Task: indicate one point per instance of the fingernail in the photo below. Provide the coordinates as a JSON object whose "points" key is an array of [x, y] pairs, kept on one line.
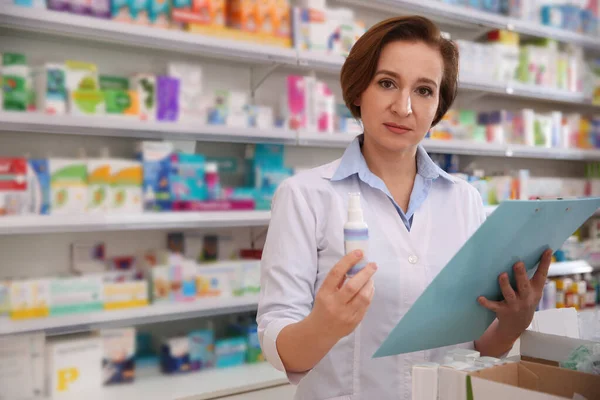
{"points": [[358, 253], [374, 267]]}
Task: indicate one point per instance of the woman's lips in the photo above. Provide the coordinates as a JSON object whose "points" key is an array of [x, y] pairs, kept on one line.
{"points": [[397, 129]]}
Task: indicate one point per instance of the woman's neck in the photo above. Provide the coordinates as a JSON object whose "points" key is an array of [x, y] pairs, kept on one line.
{"points": [[394, 168]]}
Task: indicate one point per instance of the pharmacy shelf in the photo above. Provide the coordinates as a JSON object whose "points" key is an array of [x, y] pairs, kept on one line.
{"points": [[99, 30], [127, 127], [525, 91], [337, 140], [569, 268], [469, 18], [320, 61], [509, 150], [35, 224], [463, 147], [215, 383], [41, 21], [71, 323], [121, 126], [203, 385]]}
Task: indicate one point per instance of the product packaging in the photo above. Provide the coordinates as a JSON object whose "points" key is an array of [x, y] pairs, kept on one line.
{"points": [[118, 363], [74, 365], [156, 165], [68, 186]]}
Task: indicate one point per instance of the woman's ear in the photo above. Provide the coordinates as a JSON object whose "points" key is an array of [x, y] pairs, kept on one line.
{"points": [[357, 101]]}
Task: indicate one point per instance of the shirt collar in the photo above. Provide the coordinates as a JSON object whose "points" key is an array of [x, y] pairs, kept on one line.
{"points": [[353, 162]]}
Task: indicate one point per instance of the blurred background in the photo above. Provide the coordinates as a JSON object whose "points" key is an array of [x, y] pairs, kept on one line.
{"points": [[141, 142]]}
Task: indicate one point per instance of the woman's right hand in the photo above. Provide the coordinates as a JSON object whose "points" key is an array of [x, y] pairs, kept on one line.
{"points": [[341, 303]]}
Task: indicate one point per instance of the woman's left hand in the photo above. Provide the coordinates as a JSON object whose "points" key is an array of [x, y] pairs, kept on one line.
{"points": [[515, 312]]}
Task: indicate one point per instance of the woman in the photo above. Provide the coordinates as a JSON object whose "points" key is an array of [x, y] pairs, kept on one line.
{"points": [[399, 79]]}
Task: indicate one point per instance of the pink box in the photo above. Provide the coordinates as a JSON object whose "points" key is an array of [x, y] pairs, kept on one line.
{"points": [[216, 205], [296, 101]]}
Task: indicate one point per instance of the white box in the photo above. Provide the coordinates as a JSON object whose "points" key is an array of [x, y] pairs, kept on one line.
{"points": [[536, 376], [22, 366], [30, 298], [68, 186], [145, 85], [192, 107], [50, 97], [74, 365]]}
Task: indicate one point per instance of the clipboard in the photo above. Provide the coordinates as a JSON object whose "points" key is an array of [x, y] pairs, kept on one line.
{"points": [[447, 312]]}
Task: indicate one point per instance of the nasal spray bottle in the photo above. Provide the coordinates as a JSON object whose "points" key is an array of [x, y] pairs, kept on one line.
{"points": [[356, 233]]}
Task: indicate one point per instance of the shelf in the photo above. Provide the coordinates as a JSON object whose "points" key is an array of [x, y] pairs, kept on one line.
{"points": [[48, 22], [469, 18], [336, 140], [99, 30], [120, 126], [462, 147], [320, 61], [509, 150], [150, 384], [569, 268], [126, 127], [124, 222], [525, 91], [71, 323]]}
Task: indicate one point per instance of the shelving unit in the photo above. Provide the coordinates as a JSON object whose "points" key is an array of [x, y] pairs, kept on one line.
{"points": [[469, 18], [36, 224], [127, 127], [118, 126], [103, 31], [71, 323], [202, 385], [569, 268], [117, 33]]}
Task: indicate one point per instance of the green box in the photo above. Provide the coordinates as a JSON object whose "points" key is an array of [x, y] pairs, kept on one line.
{"points": [[109, 82]]}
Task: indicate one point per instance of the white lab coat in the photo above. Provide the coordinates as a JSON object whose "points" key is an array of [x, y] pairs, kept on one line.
{"points": [[305, 240]]}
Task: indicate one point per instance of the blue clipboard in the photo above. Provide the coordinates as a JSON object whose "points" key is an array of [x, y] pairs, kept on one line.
{"points": [[447, 312]]}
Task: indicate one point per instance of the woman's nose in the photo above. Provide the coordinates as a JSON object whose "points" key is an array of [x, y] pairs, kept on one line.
{"points": [[402, 104]]}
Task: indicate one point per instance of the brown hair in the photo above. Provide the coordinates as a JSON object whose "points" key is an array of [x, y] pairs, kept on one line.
{"points": [[361, 64]]}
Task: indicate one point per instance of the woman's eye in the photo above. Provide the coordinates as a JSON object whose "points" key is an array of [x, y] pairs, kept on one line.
{"points": [[425, 91], [386, 84]]}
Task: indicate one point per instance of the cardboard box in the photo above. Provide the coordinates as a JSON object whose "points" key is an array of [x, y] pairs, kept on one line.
{"points": [[536, 376], [528, 380]]}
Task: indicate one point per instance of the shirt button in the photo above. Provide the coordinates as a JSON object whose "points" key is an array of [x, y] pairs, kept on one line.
{"points": [[413, 259]]}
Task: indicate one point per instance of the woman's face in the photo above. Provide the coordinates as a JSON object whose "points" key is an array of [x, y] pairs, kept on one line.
{"points": [[407, 78]]}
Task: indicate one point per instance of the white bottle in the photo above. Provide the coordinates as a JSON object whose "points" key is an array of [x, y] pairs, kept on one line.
{"points": [[356, 232]]}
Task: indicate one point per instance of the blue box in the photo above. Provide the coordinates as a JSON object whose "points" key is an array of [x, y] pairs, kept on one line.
{"points": [[39, 187], [187, 177], [202, 349], [268, 180], [156, 161], [230, 352]]}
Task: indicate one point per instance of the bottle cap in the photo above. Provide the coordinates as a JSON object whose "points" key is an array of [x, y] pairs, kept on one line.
{"points": [[211, 167], [355, 213]]}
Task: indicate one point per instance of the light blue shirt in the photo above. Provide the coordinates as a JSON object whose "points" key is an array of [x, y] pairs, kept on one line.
{"points": [[353, 162]]}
